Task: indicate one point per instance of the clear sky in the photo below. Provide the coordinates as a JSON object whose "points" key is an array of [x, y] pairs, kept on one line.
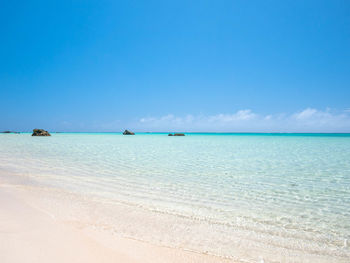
{"points": [[175, 65]]}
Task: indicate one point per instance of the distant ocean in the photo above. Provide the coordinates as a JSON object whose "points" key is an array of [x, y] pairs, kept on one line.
{"points": [[272, 197]]}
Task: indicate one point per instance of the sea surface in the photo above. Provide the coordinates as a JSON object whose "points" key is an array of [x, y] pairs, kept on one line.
{"points": [[250, 197]]}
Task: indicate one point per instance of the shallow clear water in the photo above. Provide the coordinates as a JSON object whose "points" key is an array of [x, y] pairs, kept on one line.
{"points": [[281, 197]]}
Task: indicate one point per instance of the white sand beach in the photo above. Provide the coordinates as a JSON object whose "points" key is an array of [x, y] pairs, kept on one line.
{"points": [[28, 233]]}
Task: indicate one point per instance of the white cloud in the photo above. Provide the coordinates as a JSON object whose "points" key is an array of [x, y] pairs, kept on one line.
{"points": [[268, 117], [239, 115], [307, 120], [305, 114]]}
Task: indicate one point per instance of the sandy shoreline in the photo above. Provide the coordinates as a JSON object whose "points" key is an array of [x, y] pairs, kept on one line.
{"points": [[28, 233]]}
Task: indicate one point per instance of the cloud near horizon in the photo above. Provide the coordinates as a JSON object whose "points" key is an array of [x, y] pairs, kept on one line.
{"points": [[307, 120]]}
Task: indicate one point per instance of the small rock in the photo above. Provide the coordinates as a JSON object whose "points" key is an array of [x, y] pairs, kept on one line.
{"points": [[40, 132], [179, 134], [170, 134], [126, 132], [10, 132]]}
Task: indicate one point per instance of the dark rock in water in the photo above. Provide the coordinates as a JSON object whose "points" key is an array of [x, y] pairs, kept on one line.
{"points": [[176, 134], [40, 132], [126, 132], [10, 132]]}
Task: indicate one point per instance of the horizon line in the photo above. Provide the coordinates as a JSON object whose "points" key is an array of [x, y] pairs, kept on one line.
{"points": [[207, 132]]}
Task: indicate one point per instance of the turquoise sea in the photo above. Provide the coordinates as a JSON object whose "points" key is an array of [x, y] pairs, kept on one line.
{"points": [[250, 197]]}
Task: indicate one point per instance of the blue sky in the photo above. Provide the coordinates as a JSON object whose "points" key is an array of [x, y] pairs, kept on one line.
{"points": [[175, 65]]}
